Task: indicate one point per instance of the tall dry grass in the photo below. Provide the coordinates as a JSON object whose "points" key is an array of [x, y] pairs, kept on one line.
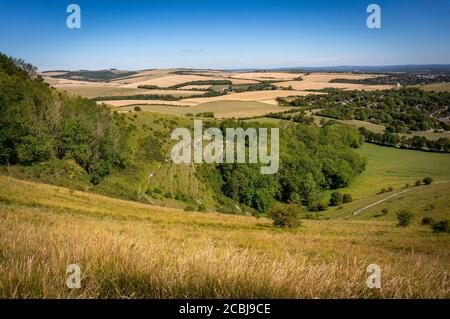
{"points": [[130, 250]]}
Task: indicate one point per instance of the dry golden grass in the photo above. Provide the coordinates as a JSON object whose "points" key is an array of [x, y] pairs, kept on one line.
{"points": [[131, 250], [92, 91], [142, 76], [327, 77], [66, 82], [261, 76]]}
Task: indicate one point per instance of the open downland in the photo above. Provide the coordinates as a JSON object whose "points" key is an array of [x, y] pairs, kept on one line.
{"points": [[422, 201], [168, 253], [221, 109], [391, 167]]}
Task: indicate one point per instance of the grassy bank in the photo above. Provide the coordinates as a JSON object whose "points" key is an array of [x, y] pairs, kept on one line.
{"points": [[127, 249]]}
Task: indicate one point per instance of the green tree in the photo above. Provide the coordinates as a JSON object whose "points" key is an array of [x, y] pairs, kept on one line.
{"points": [[285, 215], [404, 218]]}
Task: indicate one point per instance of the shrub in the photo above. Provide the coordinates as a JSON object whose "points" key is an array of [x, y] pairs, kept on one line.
{"points": [[310, 216], [318, 207], [441, 226], [137, 108], [285, 215], [384, 212], [418, 183], [347, 198], [390, 189], [189, 208], [336, 199], [404, 218], [202, 208], [427, 180], [427, 221]]}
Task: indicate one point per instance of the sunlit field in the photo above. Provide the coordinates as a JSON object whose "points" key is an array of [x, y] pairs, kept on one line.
{"points": [[132, 250]]}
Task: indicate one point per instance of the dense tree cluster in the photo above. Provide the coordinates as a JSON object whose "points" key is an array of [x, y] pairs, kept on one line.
{"points": [[312, 159], [201, 82], [402, 110], [39, 124], [402, 78], [262, 86], [416, 142]]}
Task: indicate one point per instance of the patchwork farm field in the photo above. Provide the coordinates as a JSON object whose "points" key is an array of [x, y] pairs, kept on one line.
{"points": [[170, 82]]}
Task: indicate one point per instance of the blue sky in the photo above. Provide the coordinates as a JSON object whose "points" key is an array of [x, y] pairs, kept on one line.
{"points": [[138, 34]]}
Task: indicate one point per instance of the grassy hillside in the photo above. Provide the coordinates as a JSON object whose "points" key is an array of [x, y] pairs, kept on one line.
{"points": [[168, 253], [429, 201]]}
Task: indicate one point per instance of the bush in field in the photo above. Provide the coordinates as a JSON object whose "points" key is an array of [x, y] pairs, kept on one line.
{"points": [[347, 198], [384, 212], [285, 215], [442, 226], [427, 180], [137, 108], [189, 208], [336, 199], [318, 207], [418, 183], [427, 221], [404, 218]]}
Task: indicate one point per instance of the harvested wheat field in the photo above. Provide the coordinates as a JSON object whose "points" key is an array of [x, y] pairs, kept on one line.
{"points": [[221, 109], [311, 85], [168, 253], [175, 79], [120, 103], [264, 76], [249, 96], [327, 77]]}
